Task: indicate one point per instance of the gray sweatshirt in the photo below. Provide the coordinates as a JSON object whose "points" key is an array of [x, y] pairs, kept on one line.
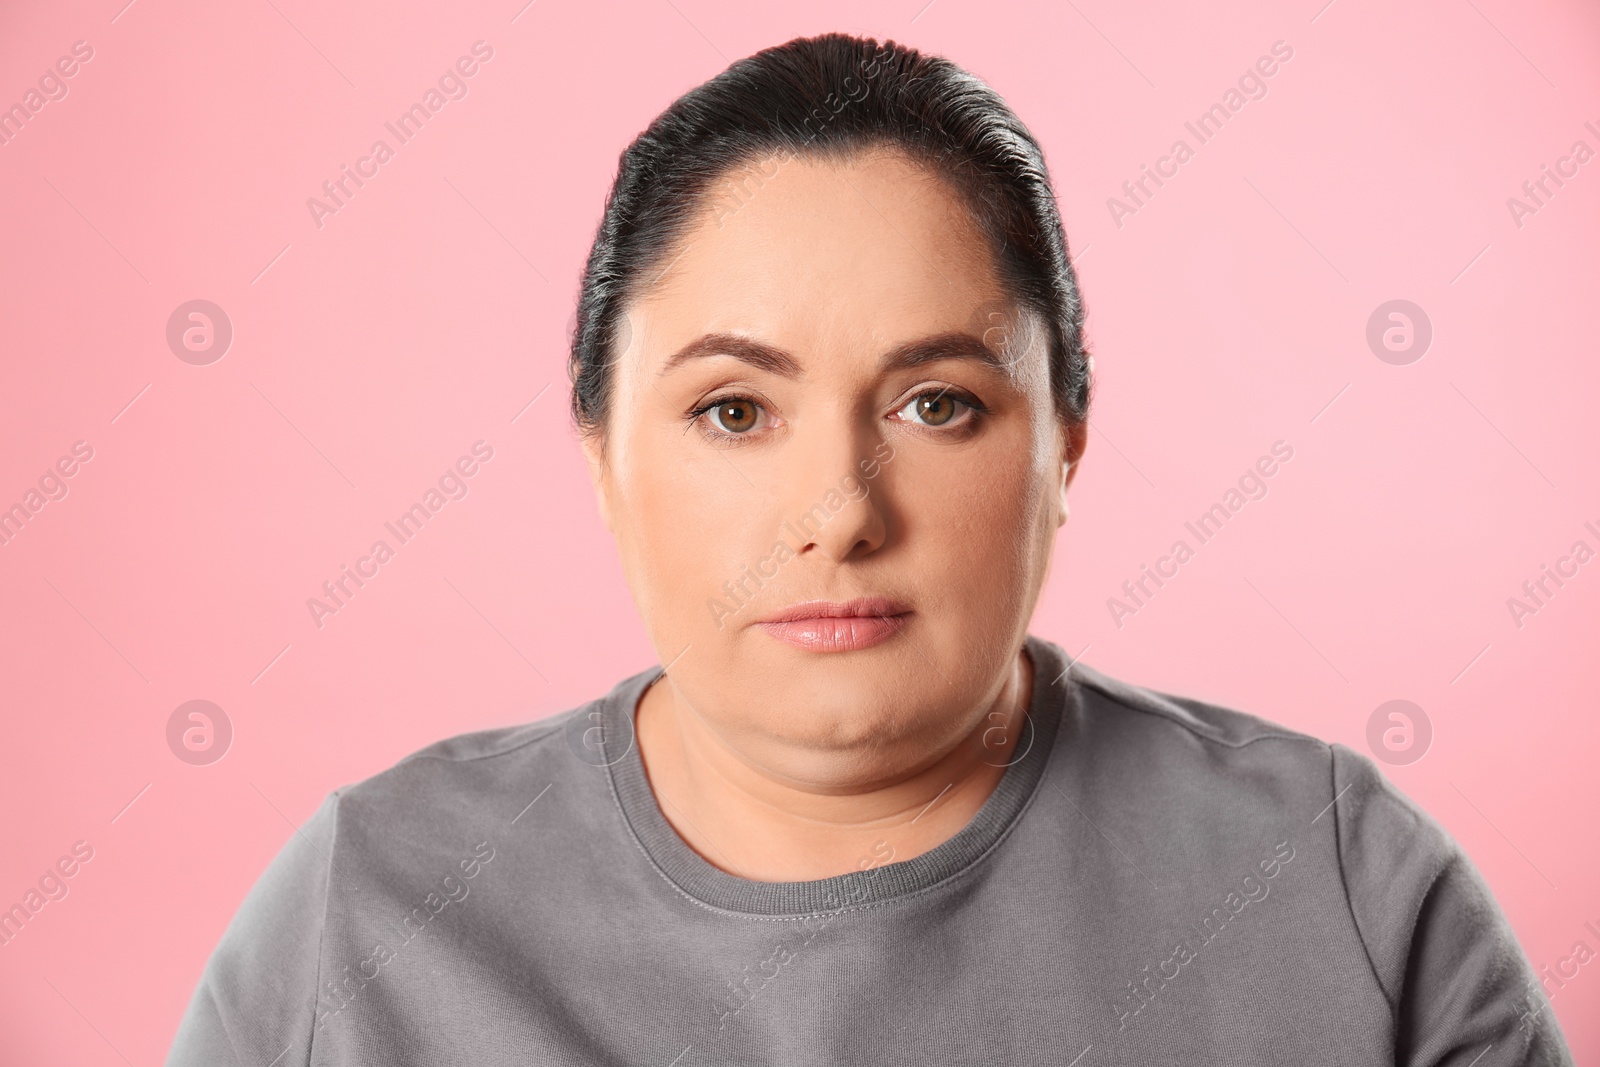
{"points": [[1154, 880]]}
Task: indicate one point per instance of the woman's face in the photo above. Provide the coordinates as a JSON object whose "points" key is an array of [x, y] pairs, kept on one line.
{"points": [[828, 326]]}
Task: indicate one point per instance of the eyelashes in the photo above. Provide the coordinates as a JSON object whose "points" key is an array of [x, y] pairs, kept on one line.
{"points": [[931, 404], [734, 401]]}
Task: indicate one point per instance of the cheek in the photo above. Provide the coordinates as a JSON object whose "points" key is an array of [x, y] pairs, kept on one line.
{"points": [[983, 539], [688, 527]]}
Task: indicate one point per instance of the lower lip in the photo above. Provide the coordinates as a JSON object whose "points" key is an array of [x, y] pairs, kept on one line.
{"points": [[837, 634]]}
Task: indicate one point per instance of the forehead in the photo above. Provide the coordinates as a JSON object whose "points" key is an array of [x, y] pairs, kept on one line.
{"points": [[808, 252]]}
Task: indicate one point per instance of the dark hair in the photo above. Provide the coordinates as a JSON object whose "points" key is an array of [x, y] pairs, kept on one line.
{"points": [[829, 97]]}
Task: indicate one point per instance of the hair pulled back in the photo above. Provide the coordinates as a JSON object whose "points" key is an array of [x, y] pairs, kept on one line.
{"points": [[829, 97]]}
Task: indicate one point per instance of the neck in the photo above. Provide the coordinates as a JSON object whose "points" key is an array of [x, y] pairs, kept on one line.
{"points": [[758, 825]]}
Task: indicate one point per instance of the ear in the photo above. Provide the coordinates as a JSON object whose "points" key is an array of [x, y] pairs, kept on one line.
{"points": [[1074, 441], [594, 455]]}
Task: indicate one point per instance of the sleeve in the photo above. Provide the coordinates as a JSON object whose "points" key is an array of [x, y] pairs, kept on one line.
{"points": [[256, 1001], [1442, 951]]}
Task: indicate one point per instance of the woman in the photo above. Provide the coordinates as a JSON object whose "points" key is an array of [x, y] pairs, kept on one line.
{"points": [[830, 381]]}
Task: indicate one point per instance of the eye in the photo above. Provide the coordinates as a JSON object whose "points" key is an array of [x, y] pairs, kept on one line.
{"points": [[728, 416], [939, 407]]}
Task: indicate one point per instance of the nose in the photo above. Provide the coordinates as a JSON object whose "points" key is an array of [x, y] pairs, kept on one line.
{"points": [[835, 505]]}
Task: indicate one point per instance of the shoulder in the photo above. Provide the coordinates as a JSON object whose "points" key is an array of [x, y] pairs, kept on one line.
{"points": [[470, 785], [1198, 785], [381, 842], [1222, 750], [1378, 826], [1194, 775], [471, 765], [1215, 725], [1198, 749], [1202, 771]]}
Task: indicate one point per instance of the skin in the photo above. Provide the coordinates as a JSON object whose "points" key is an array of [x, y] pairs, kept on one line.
{"points": [[772, 762]]}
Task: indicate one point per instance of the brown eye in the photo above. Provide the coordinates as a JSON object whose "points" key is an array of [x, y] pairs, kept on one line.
{"points": [[934, 409], [734, 416], [940, 408]]}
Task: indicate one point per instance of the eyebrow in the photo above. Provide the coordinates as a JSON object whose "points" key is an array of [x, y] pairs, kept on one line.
{"points": [[774, 360]]}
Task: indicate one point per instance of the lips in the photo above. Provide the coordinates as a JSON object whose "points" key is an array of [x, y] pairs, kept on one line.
{"points": [[831, 626]]}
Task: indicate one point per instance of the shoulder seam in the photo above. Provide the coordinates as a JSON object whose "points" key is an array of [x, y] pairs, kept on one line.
{"points": [[549, 722], [322, 924], [1344, 887], [1205, 735]]}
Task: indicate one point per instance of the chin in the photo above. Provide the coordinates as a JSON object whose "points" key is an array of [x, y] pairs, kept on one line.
{"points": [[824, 702]]}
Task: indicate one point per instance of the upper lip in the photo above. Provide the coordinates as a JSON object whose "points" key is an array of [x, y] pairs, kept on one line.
{"points": [[860, 607]]}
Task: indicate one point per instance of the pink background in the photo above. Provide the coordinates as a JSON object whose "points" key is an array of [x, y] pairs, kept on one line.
{"points": [[368, 354]]}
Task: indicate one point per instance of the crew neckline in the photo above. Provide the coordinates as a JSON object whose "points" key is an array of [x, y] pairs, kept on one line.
{"points": [[689, 872]]}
